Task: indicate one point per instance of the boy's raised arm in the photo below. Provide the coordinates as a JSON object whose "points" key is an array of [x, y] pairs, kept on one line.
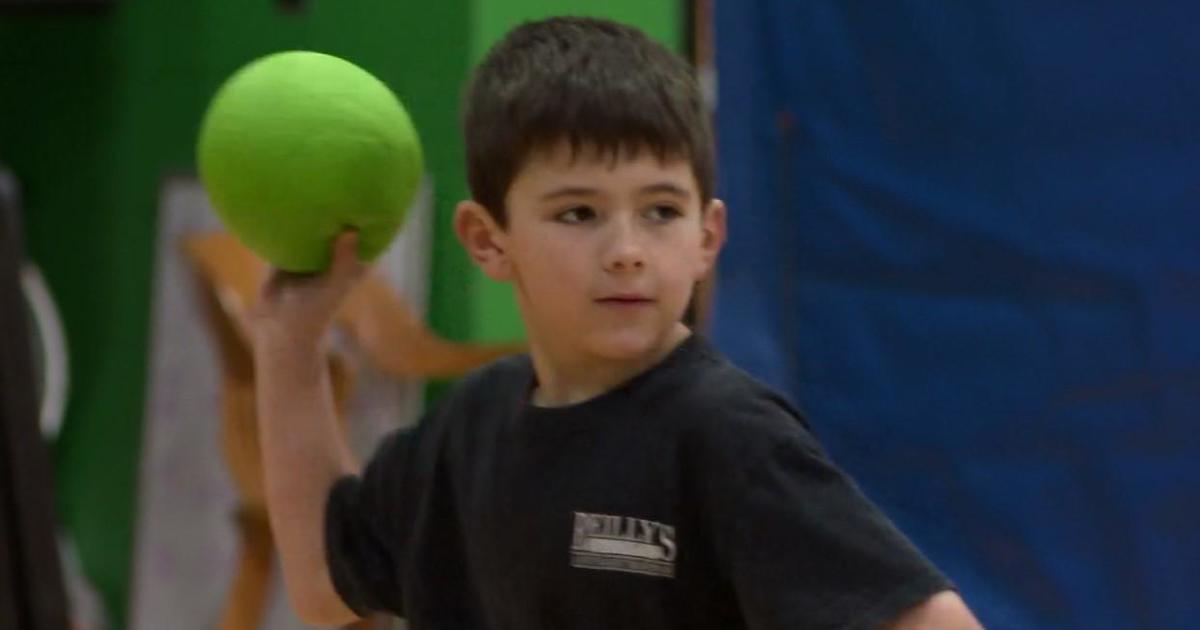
{"points": [[943, 611], [304, 451]]}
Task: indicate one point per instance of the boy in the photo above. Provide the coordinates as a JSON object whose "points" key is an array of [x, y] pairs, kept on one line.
{"points": [[622, 474]]}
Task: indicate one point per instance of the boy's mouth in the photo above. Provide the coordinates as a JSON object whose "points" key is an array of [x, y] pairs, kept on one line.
{"points": [[629, 299]]}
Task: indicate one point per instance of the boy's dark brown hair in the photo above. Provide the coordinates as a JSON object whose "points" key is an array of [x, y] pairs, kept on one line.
{"points": [[594, 83]]}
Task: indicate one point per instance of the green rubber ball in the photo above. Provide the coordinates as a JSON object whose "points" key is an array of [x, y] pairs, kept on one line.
{"points": [[298, 146]]}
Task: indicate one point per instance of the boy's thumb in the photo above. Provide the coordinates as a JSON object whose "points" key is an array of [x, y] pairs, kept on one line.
{"points": [[345, 255]]}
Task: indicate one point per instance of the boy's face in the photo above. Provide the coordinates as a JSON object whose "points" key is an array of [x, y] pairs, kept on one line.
{"points": [[603, 253]]}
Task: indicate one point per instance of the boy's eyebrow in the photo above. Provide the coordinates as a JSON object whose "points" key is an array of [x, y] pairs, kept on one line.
{"points": [[583, 191], [667, 187], [569, 191]]}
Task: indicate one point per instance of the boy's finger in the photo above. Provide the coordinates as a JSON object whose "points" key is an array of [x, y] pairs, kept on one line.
{"points": [[345, 254], [272, 283], [345, 242]]}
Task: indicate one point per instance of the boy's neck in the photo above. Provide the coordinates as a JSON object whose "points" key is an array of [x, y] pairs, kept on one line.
{"points": [[562, 382]]}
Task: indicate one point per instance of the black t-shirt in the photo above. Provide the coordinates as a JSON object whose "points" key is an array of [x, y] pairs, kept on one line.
{"points": [[689, 497]]}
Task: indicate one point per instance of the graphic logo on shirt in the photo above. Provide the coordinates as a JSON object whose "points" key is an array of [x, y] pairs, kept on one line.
{"points": [[623, 543]]}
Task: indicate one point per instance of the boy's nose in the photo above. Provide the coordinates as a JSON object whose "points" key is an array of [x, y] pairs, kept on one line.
{"points": [[625, 263], [624, 251]]}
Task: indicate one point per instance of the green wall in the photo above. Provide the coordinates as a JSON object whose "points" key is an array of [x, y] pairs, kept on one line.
{"points": [[661, 19], [96, 106]]}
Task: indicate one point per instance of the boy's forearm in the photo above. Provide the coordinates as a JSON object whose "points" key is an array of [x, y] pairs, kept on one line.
{"points": [[304, 453], [944, 611]]}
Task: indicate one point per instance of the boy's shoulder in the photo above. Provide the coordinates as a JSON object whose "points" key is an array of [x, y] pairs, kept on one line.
{"points": [[722, 407], [488, 388], [505, 376]]}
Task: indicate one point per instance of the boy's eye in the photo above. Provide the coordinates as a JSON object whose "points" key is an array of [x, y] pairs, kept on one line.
{"points": [[578, 214], [663, 213]]}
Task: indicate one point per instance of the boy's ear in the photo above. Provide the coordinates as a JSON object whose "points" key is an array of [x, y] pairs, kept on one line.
{"points": [[485, 241], [712, 226]]}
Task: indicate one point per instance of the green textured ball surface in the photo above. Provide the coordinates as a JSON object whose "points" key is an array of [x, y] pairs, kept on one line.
{"points": [[298, 146]]}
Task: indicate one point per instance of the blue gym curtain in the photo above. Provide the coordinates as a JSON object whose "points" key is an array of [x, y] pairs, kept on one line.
{"points": [[965, 238]]}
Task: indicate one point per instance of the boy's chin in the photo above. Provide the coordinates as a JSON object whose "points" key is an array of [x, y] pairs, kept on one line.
{"points": [[627, 345]]}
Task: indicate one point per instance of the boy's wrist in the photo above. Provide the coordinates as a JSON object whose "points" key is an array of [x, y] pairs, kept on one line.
{"points": [[274, 341]]}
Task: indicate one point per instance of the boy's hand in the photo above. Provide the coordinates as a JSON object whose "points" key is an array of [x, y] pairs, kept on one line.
{"points": [[297, 309]]}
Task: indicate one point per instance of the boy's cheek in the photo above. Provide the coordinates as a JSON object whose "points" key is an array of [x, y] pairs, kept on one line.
{"points": [[705, 264]]}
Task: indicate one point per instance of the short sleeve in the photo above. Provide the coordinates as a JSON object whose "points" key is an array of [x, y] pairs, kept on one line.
{"points": [[810, 551], [366, 525]]}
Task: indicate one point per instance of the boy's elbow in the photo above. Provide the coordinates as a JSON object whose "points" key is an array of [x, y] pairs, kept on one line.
{"points": [[324, 614], [943, 611], [319, 605]]}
